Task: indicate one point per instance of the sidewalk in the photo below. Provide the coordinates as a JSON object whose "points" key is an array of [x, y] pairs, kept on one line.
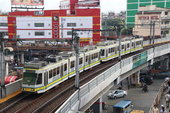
{"points": [[162, 102]]}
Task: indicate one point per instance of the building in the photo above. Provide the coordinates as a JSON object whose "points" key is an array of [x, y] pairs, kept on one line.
{"points": [[133, 7], [149, 15], [56, 24]]}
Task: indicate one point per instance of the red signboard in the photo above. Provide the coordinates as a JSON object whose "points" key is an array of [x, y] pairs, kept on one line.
{"points": [[27, 2]]}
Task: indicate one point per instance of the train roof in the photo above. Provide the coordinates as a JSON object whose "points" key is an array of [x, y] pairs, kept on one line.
{"points": [[106, 43]]}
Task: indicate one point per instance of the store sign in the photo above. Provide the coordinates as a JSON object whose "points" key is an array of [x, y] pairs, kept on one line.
{"points": [[148, 17]]}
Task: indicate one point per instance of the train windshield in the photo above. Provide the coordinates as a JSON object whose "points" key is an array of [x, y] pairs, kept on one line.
{"points": [[29, 78]]}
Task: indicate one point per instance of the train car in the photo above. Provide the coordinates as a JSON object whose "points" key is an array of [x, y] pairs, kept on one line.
{"points": [[136, 44], [108, 50], [125, 47], [92, 57], [39, 76]]}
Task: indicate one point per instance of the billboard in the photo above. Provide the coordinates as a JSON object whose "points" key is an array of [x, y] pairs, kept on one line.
{"points": [[27, 2], [89, 3]]}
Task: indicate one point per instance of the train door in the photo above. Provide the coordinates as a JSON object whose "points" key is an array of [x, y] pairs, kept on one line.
{"points": [[107, 52], [65, 69], [61, 70], [45, 78]]}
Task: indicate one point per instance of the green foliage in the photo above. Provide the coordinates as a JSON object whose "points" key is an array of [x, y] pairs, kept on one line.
{"points": [[118, 25]]}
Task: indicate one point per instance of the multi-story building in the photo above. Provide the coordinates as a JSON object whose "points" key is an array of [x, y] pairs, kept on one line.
{"points": [[152, 20], [133, 7], [56, 24]]}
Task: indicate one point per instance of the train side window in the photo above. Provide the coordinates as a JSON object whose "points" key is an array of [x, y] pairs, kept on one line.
{"points": [[80, 61], [50, 74], [102, 52], [91, 57], [58, 70], [54, 72], [86, 58], [132, 44], [96, 55], [39, 80], [72, 64], [65, 67], [128, 45], [122, 46]]}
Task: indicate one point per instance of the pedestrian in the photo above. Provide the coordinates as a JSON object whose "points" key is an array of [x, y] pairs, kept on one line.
{"points": [[163, 110], [155, 109], [167, 99]]}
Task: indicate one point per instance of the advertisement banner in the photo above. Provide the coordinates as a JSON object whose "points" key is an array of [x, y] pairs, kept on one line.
{"points": [[27, 2], [140, 59]]}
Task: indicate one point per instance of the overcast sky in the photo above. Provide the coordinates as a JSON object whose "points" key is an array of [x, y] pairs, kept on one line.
{"points": [[106, 5]]}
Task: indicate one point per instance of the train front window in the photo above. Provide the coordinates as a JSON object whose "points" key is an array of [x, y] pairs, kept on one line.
{"points": [[29, 78]]}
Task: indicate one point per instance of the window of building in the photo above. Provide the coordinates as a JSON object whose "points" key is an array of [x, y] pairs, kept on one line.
{"points": [[39, 33], [3, 24], [38, 24], [28, 24], [38, 13], [167, 22], [166, 13], [29, 33], [69, 33], [71, 24]]}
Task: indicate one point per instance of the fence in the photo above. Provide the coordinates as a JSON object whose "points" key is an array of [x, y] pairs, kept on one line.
{"points": [[157, 98]]}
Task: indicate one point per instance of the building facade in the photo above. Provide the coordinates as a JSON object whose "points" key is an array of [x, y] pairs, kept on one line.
{"points": [[149, 15], [133, 7], [55, 24]]}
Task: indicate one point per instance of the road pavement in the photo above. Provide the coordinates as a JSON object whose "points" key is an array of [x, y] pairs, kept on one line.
{"points": [[140, 99]]}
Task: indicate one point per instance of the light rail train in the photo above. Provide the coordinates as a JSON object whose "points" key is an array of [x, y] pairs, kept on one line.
{"points": [[40, 76]]}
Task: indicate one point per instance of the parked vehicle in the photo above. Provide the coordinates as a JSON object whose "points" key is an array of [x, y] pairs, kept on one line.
{"points": [[124, 106], [117, 94]]}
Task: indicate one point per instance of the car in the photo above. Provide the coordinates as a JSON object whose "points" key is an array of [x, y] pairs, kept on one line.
{"points": [[116, 94]]}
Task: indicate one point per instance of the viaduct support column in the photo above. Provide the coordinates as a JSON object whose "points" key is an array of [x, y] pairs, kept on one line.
{"points": [[101, 105], [135, 79]]}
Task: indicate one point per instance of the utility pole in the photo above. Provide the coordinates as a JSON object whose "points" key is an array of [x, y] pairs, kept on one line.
{"points": [[2, 66], [75, 45], [150, 32], [153, 37], [119, 34], [76, 38]]}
